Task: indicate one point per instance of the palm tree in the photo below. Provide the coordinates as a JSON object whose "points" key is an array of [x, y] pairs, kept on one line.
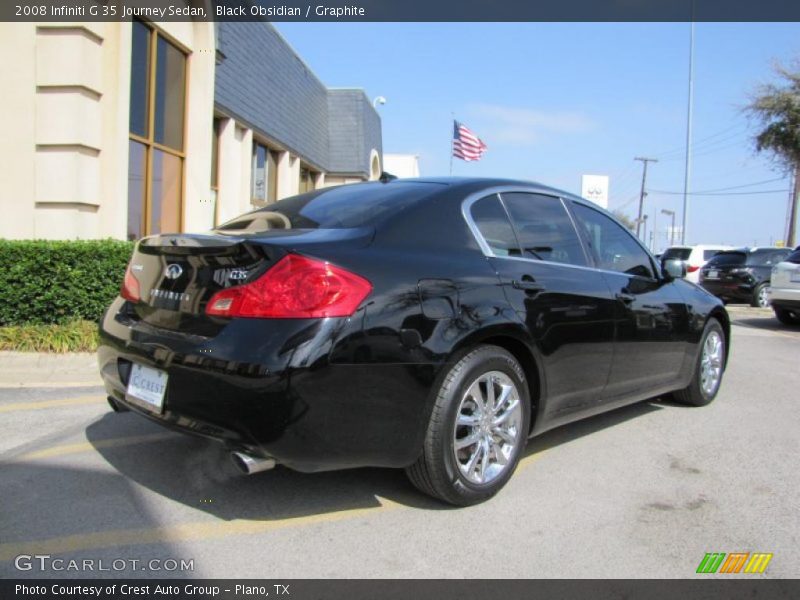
{"points": [[777, 110]]}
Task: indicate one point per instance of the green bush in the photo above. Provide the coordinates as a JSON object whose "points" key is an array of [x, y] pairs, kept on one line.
{"points": [[44, 282]]}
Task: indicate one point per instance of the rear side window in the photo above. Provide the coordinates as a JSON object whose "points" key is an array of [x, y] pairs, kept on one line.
{"points": [[492, 221], [614, 247], [766, 258], [725, 259], [794, 257], [543, 228], [677, 253], [334, 208], [709, 254]]}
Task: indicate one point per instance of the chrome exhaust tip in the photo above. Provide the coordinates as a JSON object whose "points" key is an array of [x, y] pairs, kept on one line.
{"points": [[249, 464]]}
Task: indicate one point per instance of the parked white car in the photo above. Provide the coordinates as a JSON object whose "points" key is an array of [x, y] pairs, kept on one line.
{"points": [[694, 257], [784, 290]]}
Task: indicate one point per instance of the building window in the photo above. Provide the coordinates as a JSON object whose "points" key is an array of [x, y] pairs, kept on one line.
{"points": [[264, 180], [157, 105], [307, 177]]}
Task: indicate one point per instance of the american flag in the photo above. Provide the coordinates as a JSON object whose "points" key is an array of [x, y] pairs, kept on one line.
{"points": [[466, 145]]}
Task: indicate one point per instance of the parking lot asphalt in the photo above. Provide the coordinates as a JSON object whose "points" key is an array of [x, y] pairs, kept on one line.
{"points": [[643, 491]]}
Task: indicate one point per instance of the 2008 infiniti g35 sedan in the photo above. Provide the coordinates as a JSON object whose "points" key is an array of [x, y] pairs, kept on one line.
{"points": [[432, 325]]}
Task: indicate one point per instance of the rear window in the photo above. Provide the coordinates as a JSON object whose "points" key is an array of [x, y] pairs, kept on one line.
{"points": [[728, 258], [709, 254], [676, 253], [333, 208], [794, 257]]}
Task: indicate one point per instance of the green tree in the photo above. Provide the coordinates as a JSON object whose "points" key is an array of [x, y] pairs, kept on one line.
{"points": [[776, 108], [624, 219]]}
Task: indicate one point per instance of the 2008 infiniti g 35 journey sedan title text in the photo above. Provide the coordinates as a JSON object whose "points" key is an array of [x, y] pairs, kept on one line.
{"points": [[430, 325]]}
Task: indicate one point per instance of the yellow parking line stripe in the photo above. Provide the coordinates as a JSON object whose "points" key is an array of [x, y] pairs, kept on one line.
{"points": [[51, 403], [182, 532], [89, 446]]}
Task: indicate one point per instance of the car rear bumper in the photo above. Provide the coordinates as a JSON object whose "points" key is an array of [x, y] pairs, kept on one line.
{"points": [[733, 290], [787, 298], [305, 412]]}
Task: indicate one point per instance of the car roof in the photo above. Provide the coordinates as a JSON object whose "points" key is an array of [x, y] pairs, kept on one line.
{"points": [[476, 183]]}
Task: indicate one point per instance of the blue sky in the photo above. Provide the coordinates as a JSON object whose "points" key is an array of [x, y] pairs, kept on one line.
{"points": [[554, 101]]}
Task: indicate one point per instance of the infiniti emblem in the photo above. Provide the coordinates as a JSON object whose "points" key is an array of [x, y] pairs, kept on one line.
{"points": [[173, 271]]}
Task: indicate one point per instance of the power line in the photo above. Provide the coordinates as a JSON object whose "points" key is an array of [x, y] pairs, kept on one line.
{"points": [[725, 189], [723, 193]]}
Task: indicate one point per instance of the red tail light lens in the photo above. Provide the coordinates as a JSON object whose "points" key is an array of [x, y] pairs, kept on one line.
{"points": [[692, 268], [130, 287], [295, 288]]}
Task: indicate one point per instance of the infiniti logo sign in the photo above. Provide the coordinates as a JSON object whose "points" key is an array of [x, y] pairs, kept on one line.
{"points": [[173, 271]]}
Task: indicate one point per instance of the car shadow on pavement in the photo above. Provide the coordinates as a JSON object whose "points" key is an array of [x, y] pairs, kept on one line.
{"points": [[199, 473], [769, 323]]}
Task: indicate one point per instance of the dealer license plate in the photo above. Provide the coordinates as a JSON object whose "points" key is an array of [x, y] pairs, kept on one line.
{"points": [[148, 386], [712, 274]]}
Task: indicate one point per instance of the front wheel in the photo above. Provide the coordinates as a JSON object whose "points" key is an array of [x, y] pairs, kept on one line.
{"points": [[760, 297], [708, 368], [478, 428]]}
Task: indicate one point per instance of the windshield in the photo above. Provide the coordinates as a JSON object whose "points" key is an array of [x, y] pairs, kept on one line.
{"points": [[333, 208]]}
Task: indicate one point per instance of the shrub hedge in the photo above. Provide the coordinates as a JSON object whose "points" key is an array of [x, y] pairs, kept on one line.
{"points": [[44, 282]]}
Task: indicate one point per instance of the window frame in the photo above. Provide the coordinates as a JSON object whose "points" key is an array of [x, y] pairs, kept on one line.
{"points": [[148, 140], [466, 213]]}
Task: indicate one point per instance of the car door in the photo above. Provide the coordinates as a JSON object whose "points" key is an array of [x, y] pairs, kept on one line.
{"points": [[651, 315], [565, 305]]}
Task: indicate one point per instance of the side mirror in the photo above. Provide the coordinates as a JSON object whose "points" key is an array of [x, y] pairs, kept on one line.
{"points": [[673, 268]]}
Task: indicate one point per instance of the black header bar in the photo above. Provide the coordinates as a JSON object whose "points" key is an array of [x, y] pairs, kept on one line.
{"points": [[402, 10]]}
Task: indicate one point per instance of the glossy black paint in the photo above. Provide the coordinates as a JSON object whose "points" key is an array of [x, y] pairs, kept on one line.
{"points": [[333, 393]]}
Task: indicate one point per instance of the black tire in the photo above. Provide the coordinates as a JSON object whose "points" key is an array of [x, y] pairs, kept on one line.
{"points": [[755, 301], [787, 317], [437, 472], [695, 394]]}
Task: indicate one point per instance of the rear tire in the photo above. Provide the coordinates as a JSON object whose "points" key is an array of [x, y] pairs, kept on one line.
{"points": [[708, 369], [477, 431], [787, 317], [760, 298]]}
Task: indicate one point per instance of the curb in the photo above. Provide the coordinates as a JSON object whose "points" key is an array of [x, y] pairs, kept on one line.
{"points": [[39, 369]]}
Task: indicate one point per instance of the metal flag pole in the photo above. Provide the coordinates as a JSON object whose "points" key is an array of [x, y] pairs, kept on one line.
{"points": [[452, 129]]}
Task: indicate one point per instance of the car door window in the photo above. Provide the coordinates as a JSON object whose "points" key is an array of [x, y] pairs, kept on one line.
{"points": [[492, 221], [614, 248], [544, 228]]}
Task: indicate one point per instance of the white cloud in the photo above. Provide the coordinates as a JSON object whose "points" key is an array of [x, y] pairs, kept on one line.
{"points": [[524, 126]]}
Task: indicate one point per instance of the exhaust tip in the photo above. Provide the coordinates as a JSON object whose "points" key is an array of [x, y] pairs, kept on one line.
{"points": [[115, 406], [249, 464]]}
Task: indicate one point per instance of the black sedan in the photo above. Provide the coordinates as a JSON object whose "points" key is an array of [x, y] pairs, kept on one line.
{"points": [[432, 325]]}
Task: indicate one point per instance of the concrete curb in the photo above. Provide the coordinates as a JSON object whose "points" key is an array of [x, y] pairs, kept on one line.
{"points": [[35, 369]]}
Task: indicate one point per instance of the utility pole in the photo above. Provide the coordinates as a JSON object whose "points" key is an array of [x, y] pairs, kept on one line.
{"points": [[687, 168], [642, 194]]}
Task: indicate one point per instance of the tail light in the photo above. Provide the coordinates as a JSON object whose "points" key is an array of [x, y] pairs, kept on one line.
{"points": [[130, 286], [692, 268], [297, 287]]}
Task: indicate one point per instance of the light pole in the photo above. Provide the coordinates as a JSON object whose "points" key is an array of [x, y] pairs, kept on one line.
{"points": [[378, 100], [670, 213], [644, 231]]}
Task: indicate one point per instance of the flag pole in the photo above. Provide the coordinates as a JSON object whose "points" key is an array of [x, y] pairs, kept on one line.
{"points": [[452, 126]]}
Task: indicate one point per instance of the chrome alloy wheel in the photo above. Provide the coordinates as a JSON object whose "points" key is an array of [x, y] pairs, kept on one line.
{"points": [[763, 297], [487, 430], [711, 363]]}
